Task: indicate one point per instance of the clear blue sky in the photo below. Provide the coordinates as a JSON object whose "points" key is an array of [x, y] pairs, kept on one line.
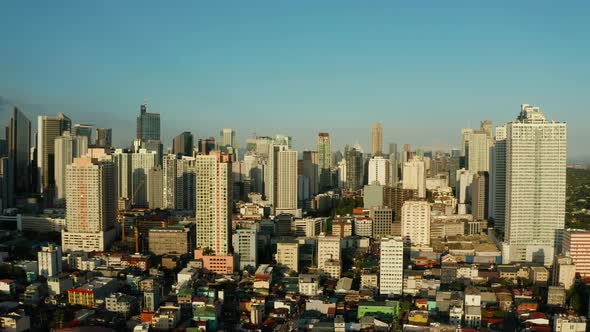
{"points": [[424, 69]]}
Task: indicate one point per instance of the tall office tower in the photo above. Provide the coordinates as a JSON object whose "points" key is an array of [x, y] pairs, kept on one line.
{"points": [[414, 176], [214, 202], [179, 183], [416, 223], [91, 205], [285, 192], [354, 169], [478, 151], [454, 165], [329, 255], [48, 129], [148, 125], [122, 161], [228, 137], [406, 154], [324, 161], [155, 188], [391, 263], [18, 140], [83, 130], [463, 189], [206, 145], [153, 146], [254, 170], [311, 170], [288, 254], [393, 165], [279, 143], [67, 148], [479, 196], [498, 180], [376, 140], [535, 186], [379, 169], [141, 164], [245, 247], [382, 221], [183, 144], [104, 137], [49, 260], [7, 198], [465, 133]]}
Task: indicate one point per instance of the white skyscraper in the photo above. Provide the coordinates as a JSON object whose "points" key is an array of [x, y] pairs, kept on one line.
{"points": [[498, 179], [214, 202], [391, 265], [415, 219], [91, 206], [414, 177], [379, 170], [67, 147], [49, 260], [141, 163], [478, 151], [285, 180], [535, 186], [228, 137], [463, 189]]}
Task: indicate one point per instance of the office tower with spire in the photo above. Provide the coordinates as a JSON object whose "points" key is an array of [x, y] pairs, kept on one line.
{"points": [[83, 130], [376, 140], [67, 148], [91, 205], [18, 141], [183, 144], [324, 148], [48, 129], [104, 138], [214, 202], [535, 187], [148, 125]]}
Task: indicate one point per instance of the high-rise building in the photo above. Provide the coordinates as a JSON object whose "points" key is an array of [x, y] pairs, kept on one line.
{"points": [[206, 145], [393, 165], [354, 169], [141, 164], [245, 247], [464, 178], [416, 223], [104, 137], [376, 140], [183, 144], [382, 221], [414, 176], [91, 205], [288, 254], [148, 125], [83, 130], [311, 170], [478, 151], [479, 196], [228, 137], [391, 263], [48, 129], [179, 183], [49, 260], [576, 243], [67, 148], [329, 255], [155, 188], [18, 141], [285, 196], [498, 180], [486, 127], [535, 186], [379, 169], [324, 148], [214, 202]]}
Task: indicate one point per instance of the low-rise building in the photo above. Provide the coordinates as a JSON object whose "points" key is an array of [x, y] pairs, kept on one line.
{"points": [[564, 323], [556, 296], [309, 284], [8, 287], [122, 303], [15, 322], [95, 289], [166, 317], [59, 284]]}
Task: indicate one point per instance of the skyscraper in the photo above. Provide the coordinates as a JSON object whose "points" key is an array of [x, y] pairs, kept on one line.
{"points": [[83, 130], [206, 145], [498, 180], [379, 169], [479, 196], [48, 129], [214, 202], [391, 265], [91, 206], [104, 137], [183, 144], [478, 151], [285, 182], [535, 186], [416, 222], [325, 161], [228, 137], [393, 165], [141, 164], [179, 182], [18, 138], [414, 176], [67, 148], [311, 170], [376, 140], [148, 125], [354, 169]]}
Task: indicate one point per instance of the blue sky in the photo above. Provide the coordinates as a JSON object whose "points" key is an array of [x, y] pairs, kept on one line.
{"points": [[424, 69]]}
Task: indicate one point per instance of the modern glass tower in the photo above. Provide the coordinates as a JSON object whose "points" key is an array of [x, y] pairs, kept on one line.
{"points": [[148, 125]]}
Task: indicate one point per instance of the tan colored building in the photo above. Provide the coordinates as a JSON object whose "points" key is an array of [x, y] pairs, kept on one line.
{"points": [[172, 240], [288, 254]]}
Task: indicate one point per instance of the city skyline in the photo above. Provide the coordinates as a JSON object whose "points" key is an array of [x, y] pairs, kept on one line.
{"points": [[345, 69]]}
